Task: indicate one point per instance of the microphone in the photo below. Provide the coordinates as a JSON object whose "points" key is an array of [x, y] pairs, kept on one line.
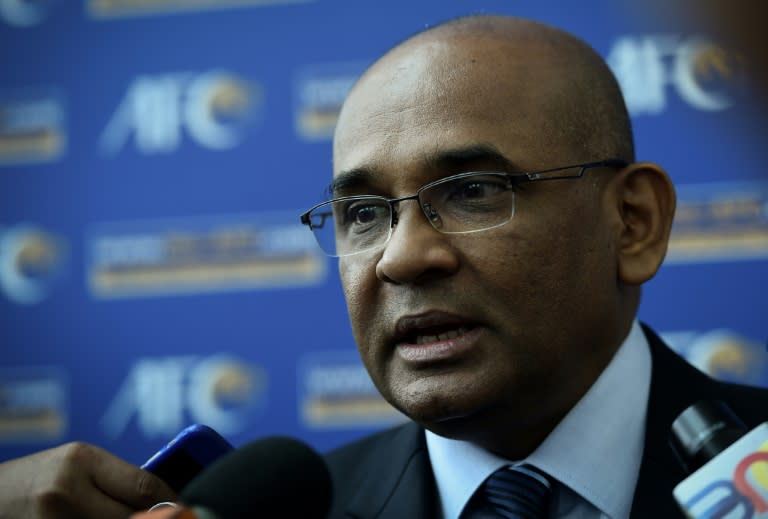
{"points": [[184, 457], [272, 477], [726, 462]]}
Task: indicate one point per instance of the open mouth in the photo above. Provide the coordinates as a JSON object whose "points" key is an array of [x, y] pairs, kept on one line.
{"points": [[436, 334], [435, 338]]}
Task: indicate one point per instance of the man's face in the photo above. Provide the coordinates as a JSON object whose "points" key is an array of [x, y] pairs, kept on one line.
{"points": [[516, 321]]}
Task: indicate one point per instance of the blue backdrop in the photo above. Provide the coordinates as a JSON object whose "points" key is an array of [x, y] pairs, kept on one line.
{"points": [[154, 158]]}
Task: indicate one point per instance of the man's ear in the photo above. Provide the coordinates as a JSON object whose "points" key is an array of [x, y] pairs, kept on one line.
{"points": [[645, 199]]}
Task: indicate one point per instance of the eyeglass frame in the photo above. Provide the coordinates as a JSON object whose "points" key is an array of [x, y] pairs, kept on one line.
{"points": [[530, 176]]}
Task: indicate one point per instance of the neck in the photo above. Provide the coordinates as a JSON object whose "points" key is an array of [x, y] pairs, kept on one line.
{"points": [[514, 429]]}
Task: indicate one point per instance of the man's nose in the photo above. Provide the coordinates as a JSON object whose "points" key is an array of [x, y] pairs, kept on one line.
{"points": [[416, 251]]}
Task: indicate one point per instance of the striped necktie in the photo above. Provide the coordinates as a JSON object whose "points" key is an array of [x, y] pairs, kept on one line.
{"points": [[517, 493]]}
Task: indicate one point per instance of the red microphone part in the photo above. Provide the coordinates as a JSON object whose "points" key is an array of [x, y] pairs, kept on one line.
{"points": [[166, 513]]}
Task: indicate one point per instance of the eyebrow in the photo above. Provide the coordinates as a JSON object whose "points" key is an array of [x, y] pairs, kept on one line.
{"points": [[348, 180], [454, 160], [461, 159]]}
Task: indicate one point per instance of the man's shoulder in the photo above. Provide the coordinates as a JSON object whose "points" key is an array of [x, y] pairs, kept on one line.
{"points": [[750, 403], [675, 381], [388, 470], [406, 438]]}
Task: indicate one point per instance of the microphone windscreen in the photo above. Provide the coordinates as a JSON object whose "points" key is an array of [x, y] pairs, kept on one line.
{"points": [[703, 431], [271, 477]]}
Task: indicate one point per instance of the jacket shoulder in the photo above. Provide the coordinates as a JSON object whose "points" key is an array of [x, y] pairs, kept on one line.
{"points": [[750, 403], [357, 452], [384, 475], [357, 458]]}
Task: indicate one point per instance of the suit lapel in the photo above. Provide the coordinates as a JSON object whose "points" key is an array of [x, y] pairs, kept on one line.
{"points": [[675, 385], [401, 484]]}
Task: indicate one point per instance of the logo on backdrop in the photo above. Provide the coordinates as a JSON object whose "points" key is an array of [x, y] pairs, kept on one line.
{"points": [[164, 394], [200, 255], [319, 92], [33, 404], [723, 354], [25, 13], [31, 126], [723, 221], [335, 392], [31, 259], [118, 8], [701, 73], [213, 110]]}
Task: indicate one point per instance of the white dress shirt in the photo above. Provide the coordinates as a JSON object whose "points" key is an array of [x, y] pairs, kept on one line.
{"points": [[594, 453]]}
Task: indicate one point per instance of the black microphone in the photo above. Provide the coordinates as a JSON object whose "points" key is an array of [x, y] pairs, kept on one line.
{"points": [[726, 463], [272, 477]]}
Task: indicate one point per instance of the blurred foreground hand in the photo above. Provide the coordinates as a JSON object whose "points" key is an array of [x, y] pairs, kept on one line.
{"points": [[77, 481]]}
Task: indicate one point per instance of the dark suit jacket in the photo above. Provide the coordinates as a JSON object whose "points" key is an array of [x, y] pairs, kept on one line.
{"points": [[389, 476]]}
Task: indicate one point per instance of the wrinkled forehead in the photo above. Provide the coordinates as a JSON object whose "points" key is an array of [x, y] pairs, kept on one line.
{"points": [[433, 92]]}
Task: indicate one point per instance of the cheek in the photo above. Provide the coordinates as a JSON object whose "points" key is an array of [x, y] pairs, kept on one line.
{"points": [[569, 268], [360, 286], [351, 283], [539, 272], [358, 282]]}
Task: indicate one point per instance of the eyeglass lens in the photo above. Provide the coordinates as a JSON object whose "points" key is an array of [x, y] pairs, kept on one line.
{"points": [[464, 203]]}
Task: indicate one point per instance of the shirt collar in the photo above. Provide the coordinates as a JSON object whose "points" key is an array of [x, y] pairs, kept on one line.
{"points": [[608, 423]]}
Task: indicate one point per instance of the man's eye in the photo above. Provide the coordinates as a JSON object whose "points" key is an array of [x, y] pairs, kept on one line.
{"points": [[477, 189], [364, 213]]}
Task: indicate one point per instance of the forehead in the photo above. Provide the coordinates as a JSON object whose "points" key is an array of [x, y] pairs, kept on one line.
{"points": [[440, 95]]}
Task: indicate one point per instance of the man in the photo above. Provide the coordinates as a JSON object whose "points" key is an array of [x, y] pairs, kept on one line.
{"points": [[496, 306]]}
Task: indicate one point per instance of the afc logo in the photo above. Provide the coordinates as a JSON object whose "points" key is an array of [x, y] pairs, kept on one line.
{"points": [[704, 75], [31, 261], [165, 393], [26, 13], [212, 109]]}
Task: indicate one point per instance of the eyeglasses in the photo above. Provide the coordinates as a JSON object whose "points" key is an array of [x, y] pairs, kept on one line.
{"points": [[459, 204]]}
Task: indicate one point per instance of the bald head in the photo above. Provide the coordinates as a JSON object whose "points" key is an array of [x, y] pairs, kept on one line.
{"points": [[456, 327], [511, 58]]}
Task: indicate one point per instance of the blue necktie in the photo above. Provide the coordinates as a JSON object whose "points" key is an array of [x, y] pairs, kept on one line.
{"points": [[517, 493]]}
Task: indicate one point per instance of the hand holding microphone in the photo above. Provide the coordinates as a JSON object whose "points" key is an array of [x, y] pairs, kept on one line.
{"points": [[76, 480]]}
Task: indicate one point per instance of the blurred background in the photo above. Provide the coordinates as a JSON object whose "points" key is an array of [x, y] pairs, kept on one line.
{"points": [[155, 156]]}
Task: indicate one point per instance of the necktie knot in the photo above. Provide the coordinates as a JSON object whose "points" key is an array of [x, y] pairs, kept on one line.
{"points": [[518, 492]]}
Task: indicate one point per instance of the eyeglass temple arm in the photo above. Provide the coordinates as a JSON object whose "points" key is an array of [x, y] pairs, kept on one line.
{"points": [[610, 163], [306, 220]]}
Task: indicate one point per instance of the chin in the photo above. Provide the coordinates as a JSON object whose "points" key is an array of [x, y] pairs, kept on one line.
{"points": [[440, 397], [467, 427], [440, 412]]}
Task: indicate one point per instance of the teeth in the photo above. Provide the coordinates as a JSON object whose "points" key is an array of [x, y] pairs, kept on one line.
{"points": [[451, 334]]}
